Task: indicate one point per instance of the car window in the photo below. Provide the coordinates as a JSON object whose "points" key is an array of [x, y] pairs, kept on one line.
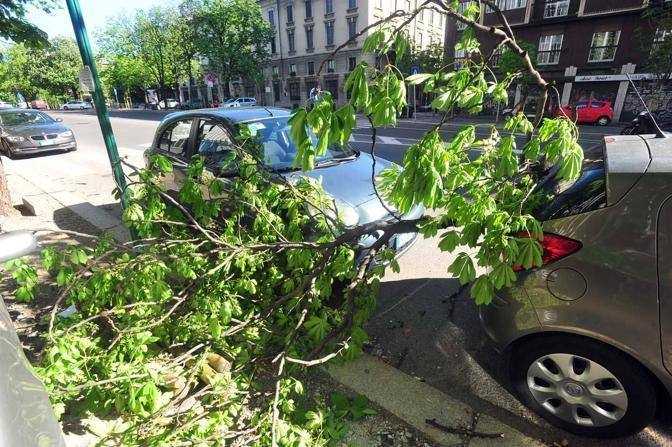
{"points": [[214, 142], [587, 193], [174, 139], [597, 105], [21, 118]]}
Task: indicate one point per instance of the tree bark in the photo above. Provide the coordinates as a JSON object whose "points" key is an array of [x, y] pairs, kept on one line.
{"points": [[5, 200]]}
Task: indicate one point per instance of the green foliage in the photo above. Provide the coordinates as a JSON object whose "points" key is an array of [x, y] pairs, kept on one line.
{"points": [[15, 27], [48, 72], [25, 276], [487, 201]]}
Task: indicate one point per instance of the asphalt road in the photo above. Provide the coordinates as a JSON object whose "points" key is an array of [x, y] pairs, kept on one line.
{"points": [[421, 327]]}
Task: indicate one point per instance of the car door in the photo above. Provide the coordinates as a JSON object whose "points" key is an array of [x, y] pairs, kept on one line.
{"points": [[214, 142], [595, 110], [582, 111], [175, 144]]}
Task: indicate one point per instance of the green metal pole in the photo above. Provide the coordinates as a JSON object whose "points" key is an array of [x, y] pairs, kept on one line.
{"points": [[98, 97]]}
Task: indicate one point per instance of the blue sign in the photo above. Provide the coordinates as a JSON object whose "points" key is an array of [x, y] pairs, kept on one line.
{"points": [[415, 70]]}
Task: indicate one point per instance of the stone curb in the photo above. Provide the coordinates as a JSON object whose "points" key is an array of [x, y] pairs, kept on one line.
{"points": [[414, 402]]}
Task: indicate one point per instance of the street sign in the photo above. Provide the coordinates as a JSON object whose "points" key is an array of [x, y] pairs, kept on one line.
{"points": [[86, 80], [415, 70], [210, 79]]}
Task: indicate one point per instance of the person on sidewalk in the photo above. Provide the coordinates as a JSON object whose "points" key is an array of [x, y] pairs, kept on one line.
{"points": [[314, 95]]}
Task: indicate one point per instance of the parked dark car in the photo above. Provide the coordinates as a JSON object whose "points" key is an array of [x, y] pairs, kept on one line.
{"points": [[344, 172], [24, 132], [589, 334], [643, 123], [192, 104], [26, 416]]}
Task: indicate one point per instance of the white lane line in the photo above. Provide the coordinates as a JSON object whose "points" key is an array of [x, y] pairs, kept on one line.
{"points": [[389, 140]]}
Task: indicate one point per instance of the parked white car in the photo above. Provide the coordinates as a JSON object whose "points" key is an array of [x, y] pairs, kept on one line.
{"points": [[76, 105], [240, 102], [169, 104], [6, 105]]}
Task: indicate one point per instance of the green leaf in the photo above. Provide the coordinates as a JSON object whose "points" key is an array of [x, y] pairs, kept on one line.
{"points": [[483, 291], [449, 241], [317, 327], [419, 78], [503, 275], [463, 268], [529, 254]]}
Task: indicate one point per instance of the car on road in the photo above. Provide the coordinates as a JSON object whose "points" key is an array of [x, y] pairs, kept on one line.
{"points": [[6, 105], [344, 173], [24, 132], [27, 418], [240, 102], [39, 104], [76, 105], [588, 335], [592, 111], [169, 104]]}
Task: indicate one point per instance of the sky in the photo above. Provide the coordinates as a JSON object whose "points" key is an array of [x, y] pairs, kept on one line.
{"points": [[96, 13]]}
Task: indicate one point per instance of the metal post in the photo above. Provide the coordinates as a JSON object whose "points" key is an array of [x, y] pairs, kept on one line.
{"points": [[98, 99]]}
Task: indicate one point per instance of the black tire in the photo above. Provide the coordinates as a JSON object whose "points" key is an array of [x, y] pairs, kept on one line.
{"points": [[636, 382], [66, 108]]}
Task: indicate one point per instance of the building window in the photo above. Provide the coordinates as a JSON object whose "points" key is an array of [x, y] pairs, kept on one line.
{"points": [[294, 91], [379, 4], [292, 69], [330, 6], [273, 48], [462, 7], [329, 31], [352, 63], [352, 4], [271, 17], [352, 27], [556, 8], [603, 46], [431, 17], [659, 39], [309, 38], [290, 40], [549, 49], [420, 40], [331, 66], [460, 57], [331, 86], [276, 71], [309, 9], [311, 68], [290, 13], [505, 5]]}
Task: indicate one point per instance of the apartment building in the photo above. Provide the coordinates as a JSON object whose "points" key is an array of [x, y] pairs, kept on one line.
{"points": [[308, 31], [585, 47]]}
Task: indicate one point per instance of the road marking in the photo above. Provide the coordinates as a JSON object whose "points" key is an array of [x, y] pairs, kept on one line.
{"points": [[389, 140]]}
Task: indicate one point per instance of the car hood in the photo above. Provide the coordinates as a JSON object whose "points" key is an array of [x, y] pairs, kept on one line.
{"points": [[350, 182], [27, 130]]}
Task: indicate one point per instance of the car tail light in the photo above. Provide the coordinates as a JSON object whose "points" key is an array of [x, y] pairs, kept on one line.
{"points": [[554, 248]]}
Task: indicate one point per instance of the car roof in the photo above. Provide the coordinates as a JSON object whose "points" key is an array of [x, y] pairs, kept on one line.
{"points": [[233, 115]]}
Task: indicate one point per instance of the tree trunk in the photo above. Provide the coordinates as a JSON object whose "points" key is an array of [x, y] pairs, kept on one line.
{"points": [[5, 200]]}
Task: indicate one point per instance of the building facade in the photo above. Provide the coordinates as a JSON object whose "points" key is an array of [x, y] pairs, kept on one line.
{"points": [[306, 33], [585, 47]]}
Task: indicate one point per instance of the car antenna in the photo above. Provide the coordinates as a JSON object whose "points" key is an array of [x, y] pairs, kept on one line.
{"points": [[659, 131]]}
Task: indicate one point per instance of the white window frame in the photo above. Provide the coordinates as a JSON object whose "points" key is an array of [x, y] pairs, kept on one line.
{"points": [[551, 47], [559, 8], [603, 46], [506, 5]]}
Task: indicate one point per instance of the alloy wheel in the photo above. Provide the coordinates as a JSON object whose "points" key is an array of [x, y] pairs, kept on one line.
{"points": [[577, 390]]}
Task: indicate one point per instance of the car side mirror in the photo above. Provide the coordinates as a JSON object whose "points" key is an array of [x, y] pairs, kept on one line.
{"points": [[16, 244]]}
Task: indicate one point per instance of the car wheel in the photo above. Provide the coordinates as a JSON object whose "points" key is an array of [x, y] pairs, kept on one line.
{"points": [[583, 387], [66, 108], [603, 120]]}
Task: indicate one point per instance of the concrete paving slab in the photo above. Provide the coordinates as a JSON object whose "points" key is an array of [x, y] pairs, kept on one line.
{"points": [[414, 402]]}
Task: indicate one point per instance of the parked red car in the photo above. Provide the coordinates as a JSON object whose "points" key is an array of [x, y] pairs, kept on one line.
{"points": [[39, 104], [589, 112]]}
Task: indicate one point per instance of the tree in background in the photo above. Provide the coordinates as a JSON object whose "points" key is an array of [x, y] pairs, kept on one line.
{"points": [[233, 36], [14, 27], [655, 44], [511, 66]]}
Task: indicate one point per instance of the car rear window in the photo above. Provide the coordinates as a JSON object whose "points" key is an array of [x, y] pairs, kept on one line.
{"points": [[587, 193]]}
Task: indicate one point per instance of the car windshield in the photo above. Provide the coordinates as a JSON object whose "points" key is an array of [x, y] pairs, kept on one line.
{"points": [[279, 149], [21, 118]]}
